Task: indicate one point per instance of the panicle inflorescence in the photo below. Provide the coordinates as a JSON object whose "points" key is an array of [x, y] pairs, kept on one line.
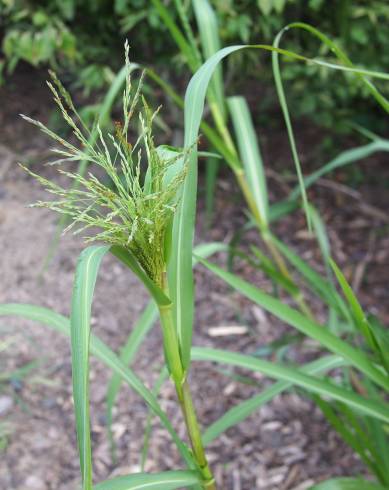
{"points": [[123, 207]]}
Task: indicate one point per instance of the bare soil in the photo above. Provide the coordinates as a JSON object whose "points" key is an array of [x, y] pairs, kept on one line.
{"points": [[285, 445]]}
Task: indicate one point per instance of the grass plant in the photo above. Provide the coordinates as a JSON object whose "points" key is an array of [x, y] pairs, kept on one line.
{"points": [[146, 220], [240, 149]]}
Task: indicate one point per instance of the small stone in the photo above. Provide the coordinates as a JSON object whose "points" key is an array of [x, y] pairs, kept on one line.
{"points": [[35, 483], [6, 404], [16, 384], [49, 403]]}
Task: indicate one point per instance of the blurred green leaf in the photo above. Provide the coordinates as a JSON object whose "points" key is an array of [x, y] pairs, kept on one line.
{"points": [[348, 484], [303, 324], [168, 480]]}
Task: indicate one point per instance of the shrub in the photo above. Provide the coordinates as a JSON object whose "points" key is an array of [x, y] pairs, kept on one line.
{"points": [[84, 39]]}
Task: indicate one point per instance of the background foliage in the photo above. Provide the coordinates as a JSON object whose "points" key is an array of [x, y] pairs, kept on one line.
{"points": [[83, 39]]}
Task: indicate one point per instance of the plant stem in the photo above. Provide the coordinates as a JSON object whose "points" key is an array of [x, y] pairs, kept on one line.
{"points": [[170, 345], [240, 176], [222, 128], [194, 433], [179, 377], [267, 239]]}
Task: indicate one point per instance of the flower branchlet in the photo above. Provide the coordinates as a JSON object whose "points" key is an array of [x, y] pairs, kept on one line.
{"points": [[123, 207]]}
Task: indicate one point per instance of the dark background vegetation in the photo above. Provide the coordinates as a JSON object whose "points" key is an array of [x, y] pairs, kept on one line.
{"points": [[83, 40]]}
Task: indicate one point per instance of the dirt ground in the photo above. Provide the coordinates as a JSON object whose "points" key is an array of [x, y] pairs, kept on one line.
{"points": [[284, 445]]}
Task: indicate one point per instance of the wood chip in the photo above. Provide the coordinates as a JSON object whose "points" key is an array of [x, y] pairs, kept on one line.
{"points": [[227, 330]]}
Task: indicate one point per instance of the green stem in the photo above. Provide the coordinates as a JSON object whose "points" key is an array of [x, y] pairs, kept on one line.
{"points": [[194, 433], [222, 128], [266, 236], [261, 225], [277, 257], [170, 345], [179, 377]]}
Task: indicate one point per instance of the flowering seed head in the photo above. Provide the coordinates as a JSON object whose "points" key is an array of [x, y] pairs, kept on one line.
{"points": [[130, 211]]}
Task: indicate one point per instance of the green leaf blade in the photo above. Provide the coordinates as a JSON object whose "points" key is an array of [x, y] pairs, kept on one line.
{"points": [[250, 154], [303, 324], [169, 480], [84, 284], [127, 354], [61, 324], [356, 309], [182, 43], [180, 267], [297, 377], [209, 36], [244, 409], [180, 271], [348, 484]]}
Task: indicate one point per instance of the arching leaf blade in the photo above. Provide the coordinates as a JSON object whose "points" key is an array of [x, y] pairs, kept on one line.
{"points": [[347, 484], [241, 411], [295, 376], [180, 271], [347, 157], [308, 327], [127, 354], [250, 153], [210, 42], [169, 480], [83, 288], [99, 349]]}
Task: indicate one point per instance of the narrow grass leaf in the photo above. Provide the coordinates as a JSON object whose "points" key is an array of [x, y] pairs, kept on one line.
{"points": [[282, 98], [378, 437], [241, 411], [180, 269], [319, 229], [84, 284], [210, 42], [357, 311], [127, 354], [347, 157], [348, 484], [303, 324], [280, 209], [297, 377], [205, 250], [269, 268], [316, 282], [250, 154], [19, 374], [169, 480], [179, 38], [341, 56], [209, 132], [292, 142], [163, 376], [344, 431], [182, 8], [99, 349]]}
